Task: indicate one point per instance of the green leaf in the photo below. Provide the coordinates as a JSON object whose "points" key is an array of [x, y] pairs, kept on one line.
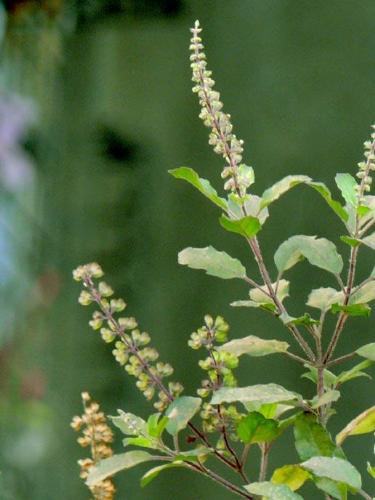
{"points": [[352, 309], [333, 488], [129, 424], [352, 242], [290, 475], [319, 252], [274, 192], [347, 185], [326, 194], [354, 372], [305, 320], [156, 425], [362, 424], [371, 470], [111, 465], [367, 351], [215, 263], [203, 185], [247, 226], [334, 468], [180, 412], [201, 452], [369, 241], [263, 393], [329, 378], [255, 428], [251, 303], [311, 439], [254, 346], [270, 491], [365, 294], [142, 442], [323, 298], [328, 397], [155, 471]]}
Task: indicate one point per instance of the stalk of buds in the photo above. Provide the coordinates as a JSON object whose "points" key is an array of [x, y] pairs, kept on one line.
{"points": [[131, 345], [365, 167], [239, 176], [97, 435]]}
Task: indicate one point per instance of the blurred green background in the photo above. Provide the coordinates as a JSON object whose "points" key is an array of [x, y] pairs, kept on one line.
{"points": [[99, 94]]}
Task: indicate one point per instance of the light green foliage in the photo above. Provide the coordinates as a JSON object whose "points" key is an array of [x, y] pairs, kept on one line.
{"points": [[203, 185], [111, 465], [274, 192], [334, 468], [254, 346], [318, 251], [348, 187], [270, 491], [215, 263], [180, 412], [362, 424], [247, 226], [367, 351], [255, 428], [292, 476], [262, 393]]}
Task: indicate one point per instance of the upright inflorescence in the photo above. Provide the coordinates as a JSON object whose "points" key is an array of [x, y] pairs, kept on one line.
{"points": [[97, 435], [239, 176], [131, 349], [219, 366], [365, 167]]}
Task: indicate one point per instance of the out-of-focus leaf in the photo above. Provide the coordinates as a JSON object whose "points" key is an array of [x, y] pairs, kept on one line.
{"points": [[367, 351], [328, 397]]}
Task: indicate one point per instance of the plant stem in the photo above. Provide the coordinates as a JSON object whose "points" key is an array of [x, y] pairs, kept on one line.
{"points": [[341, 359], [265, 448], [364, 495]]}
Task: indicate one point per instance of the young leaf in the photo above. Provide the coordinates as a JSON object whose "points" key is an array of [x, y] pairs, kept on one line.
{"points": [[180, 412], [274, 192], [371, 470], [290, 475], [155, 471], [362, 424], [270, 491], [215, 263], [247, 226], [323, 298], [367, 351], [329, 378], [347, 185], [129, 424], [254, 346], [334, 468], [328, 397], [156, 425], [203, 185], [263, 393], [354, 372], [111, 465], [255, 428], [352, 309], [251, 303], [352, 242], [319, 252], [312, 439], [142, 442]]}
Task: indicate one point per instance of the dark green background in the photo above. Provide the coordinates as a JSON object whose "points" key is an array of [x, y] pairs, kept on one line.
{"points": [[297, 77]]}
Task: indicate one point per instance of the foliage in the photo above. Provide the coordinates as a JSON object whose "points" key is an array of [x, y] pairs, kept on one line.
{"points": [[226, 418]]}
